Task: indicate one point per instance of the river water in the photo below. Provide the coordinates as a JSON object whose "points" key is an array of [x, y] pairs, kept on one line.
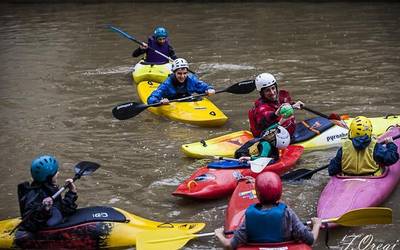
{"points": [[62, 71]]}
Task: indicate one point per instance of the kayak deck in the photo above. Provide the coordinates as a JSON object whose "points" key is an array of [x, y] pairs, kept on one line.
{"points": [[201, 112], [150, 72]]}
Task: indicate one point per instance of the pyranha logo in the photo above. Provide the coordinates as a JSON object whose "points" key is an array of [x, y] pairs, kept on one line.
{"points": [[334, 137]]}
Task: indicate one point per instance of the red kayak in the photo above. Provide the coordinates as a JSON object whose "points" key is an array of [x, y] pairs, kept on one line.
{"points": [[344, 193], [244, 196], [212, 183]]}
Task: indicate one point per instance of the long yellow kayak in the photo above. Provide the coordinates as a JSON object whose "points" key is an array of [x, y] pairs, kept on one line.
{"points": [[201, 113], [89, 228], [150, 72], [331, 135]]}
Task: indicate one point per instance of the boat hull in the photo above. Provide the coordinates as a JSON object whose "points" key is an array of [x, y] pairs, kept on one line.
{"points": [[211, 183], [96, 227], [226, 145]]}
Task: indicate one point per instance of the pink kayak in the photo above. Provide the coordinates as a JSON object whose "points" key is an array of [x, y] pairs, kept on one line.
{"points": [[344, 193], [211, 183], [244, 196]]}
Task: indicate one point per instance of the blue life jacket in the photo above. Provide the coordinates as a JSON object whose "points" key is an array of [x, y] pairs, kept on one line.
{"points": [[265, 226], [169, 90], [152, 56]]}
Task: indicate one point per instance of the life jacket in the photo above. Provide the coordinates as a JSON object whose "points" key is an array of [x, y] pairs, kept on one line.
{"points": [[359, 162], [261, 114], [254, 148], [265, 226], [152, 56]]}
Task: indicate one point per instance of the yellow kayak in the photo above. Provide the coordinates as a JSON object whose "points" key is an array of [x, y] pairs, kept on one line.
{"points": [[330, 136], [89, 228], [201, 112], [150, 72]]}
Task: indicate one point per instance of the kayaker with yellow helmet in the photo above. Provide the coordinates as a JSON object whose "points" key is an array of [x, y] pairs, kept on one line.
{"points": [[270, 221], [179, 84], [36, 196], [158, 41], [273, 106], [361, 154]]}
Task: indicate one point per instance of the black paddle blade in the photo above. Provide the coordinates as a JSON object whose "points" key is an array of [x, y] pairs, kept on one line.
{"points": [[294, 175], [86, 168], [243, 87], [128, 110]]}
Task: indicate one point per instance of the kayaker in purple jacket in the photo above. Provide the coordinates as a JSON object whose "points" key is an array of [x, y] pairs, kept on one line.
{"points": [[179, 84], [361, 154], [158, 41], [270, 221]]}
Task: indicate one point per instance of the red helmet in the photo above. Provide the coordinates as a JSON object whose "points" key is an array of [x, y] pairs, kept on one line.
{"points": [[268, 187]]}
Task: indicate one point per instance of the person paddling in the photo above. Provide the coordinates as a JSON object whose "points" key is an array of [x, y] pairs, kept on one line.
{"points": [[273, 106], [158, 41], [270, 221], [36, 196], [271, 141], [179, 84], [361, 154]]}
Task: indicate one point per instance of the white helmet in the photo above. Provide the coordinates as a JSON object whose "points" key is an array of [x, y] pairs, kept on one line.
{"points": [[264, 80], [282, 138], [179, 63]]}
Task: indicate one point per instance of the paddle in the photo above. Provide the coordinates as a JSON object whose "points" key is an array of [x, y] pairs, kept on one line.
{"points": [[332, 116], [175, 239], [83, 168], [126, 35], [303, 173], [131, 109], [256, 166]]}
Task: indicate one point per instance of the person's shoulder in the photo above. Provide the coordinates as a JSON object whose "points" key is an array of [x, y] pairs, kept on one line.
{"points": [[283, 92]]}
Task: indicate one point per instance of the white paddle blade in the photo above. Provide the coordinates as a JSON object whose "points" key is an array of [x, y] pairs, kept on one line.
{"points": [[258, 165]]}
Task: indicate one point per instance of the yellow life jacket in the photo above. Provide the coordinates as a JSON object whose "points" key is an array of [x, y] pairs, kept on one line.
{"points": [[253, 149], [359, 162]]}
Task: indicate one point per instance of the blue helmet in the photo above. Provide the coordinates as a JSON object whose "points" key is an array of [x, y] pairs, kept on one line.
{"points": [[160, 32], [43, 167]]}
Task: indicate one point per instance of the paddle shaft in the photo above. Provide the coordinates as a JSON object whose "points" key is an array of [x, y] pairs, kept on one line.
{"points": [[132, 109], [314, 112], [123, 33], [310, 173]]}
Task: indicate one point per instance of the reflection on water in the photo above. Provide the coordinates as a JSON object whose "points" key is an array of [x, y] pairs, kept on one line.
{"points": [[62, 72]]}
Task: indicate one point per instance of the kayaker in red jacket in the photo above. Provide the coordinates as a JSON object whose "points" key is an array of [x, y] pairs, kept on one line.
{"points": [[158, 41], [270, 221], [361, 154], [272, 106]]}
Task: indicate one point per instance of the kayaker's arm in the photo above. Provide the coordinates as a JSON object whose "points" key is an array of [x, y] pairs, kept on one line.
{"points": [[138, 52], [171, 52], [386, 154], [296, 230], [335, 165]]}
